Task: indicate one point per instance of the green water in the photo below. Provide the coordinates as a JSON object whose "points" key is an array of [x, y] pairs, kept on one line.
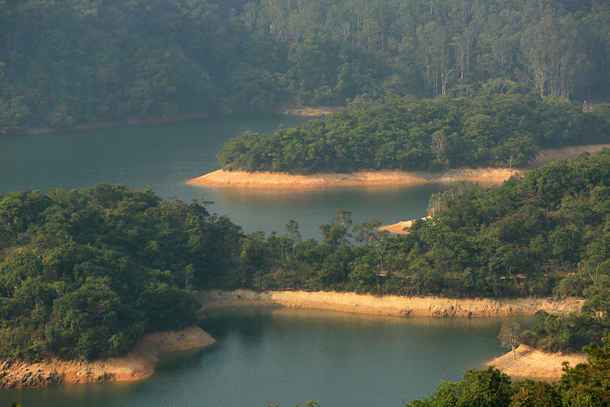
{"points": [[165, 157], [263, 356], [285, 356]]}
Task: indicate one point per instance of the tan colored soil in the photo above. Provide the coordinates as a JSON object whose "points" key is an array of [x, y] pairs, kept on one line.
{"points": [[137, 364], [530, 363], [242, 179], [400, 228], [535, 364], [388, 305]]}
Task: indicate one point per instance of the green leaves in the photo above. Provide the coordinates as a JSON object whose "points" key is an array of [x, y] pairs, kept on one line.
{"points": [[497, 131], [87, 273]]}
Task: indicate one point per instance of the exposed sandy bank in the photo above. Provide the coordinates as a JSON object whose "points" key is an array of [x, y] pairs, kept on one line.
{"points": [[242, 179], [388, 305], [137, 364], [399, 228], [535, 364]]}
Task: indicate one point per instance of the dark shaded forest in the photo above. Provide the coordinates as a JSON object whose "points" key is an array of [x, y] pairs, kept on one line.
{"points": [[406, 134], [88, 61]]}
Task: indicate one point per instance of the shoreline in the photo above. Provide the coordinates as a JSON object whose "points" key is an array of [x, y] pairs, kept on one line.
{"points": [[165, 119], [535, 364], [530, 363], [387, 305], [139, 363], [399, 227], [489, 176], [243, 179]]}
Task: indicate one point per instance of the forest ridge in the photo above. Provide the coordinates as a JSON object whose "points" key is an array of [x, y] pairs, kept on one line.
{"points": [[85, 61]]}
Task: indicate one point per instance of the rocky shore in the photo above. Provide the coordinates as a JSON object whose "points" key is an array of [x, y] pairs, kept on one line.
{"points": [[137, 364], [388, 305]]}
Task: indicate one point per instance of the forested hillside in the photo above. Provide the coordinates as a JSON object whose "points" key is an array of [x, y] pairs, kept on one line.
{"points": [[540, 235], [543, 234], [73, 61], [85, 274], [406, 134]]}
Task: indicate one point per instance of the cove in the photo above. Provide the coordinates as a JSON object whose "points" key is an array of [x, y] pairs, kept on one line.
{"points": [[164, 157], [285, 356]]}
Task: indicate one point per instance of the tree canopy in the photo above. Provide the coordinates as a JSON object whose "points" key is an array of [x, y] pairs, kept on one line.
{"points": [[87, 273], [88, 61], [406, 134]]}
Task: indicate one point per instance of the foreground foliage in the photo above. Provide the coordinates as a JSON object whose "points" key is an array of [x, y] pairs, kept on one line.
{"points": [[583, 385], [405, 134], [87, 273]]}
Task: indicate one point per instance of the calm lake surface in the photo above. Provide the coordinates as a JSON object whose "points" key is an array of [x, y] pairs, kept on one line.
{"points": [[286, 356], [164, 157], [263, 356]]}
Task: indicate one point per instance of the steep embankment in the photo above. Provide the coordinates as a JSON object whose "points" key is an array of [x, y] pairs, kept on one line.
{"points": [[388, 305], [137, 364], [531, 363], [243, 179]]}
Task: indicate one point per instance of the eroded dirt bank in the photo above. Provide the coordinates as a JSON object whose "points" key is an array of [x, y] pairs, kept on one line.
{"points": [[535, 364], [530, 363], [137, 364], [242, 179], [388, 305]]}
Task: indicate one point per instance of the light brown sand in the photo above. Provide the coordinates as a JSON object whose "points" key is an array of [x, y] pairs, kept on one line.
{"points": [[389, 304], [400, 228], [243, 179], [535, 364]]}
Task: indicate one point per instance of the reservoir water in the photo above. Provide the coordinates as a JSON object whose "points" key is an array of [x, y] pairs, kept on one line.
{"points": [[263, 356], [267, 356], [164, 157]]}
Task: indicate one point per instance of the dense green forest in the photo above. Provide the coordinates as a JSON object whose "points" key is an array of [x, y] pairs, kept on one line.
{"points": [[80, 61], [541, 234], [87, 273], [406, 134]]}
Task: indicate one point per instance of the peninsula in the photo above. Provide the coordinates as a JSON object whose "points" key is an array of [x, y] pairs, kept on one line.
{"points": [[484, 176], [139, 363], [244, 179]]}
